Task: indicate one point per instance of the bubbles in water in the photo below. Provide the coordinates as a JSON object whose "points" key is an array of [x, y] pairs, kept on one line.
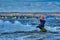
{"points": [[50, 17], [17, 23], [28, 24], [1, 22], [7, 24]]}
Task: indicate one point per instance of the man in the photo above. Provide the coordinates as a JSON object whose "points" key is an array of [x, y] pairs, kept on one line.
{"points": [[41, 24]]}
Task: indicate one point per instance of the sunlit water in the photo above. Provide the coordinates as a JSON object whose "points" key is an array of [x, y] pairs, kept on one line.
{"points": [[52, 24]]}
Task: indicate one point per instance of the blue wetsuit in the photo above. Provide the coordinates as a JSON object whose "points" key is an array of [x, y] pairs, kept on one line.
{"points": [[41, 26]]}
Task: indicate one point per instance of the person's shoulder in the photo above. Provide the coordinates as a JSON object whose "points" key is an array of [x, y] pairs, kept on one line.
{"points": [[40, 19], [44, 20]]}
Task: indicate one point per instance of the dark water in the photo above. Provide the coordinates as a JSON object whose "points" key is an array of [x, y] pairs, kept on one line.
{"points": [[31, 36]]}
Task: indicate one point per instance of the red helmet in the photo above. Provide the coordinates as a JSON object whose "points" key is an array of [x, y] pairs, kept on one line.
{"points": [[42, 17]]}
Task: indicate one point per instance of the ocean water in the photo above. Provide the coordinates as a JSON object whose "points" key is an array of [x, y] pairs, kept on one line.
{"points": [[52, 24]]}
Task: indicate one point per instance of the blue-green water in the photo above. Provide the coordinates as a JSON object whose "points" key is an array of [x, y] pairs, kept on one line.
{"points": [[52, 24]]}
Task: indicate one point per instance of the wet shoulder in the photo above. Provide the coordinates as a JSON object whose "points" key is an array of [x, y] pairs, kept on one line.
{"points": [[42, 20]]}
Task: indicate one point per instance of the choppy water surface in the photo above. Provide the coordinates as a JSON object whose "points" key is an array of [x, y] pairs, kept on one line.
{"points": [[30, 36], [52, 24]]}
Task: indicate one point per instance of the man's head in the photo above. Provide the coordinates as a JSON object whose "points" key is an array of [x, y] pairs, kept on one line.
{"points": [[42, 17]]}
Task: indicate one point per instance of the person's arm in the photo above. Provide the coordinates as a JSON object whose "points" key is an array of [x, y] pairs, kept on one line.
{"points": [[38, 21]]}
